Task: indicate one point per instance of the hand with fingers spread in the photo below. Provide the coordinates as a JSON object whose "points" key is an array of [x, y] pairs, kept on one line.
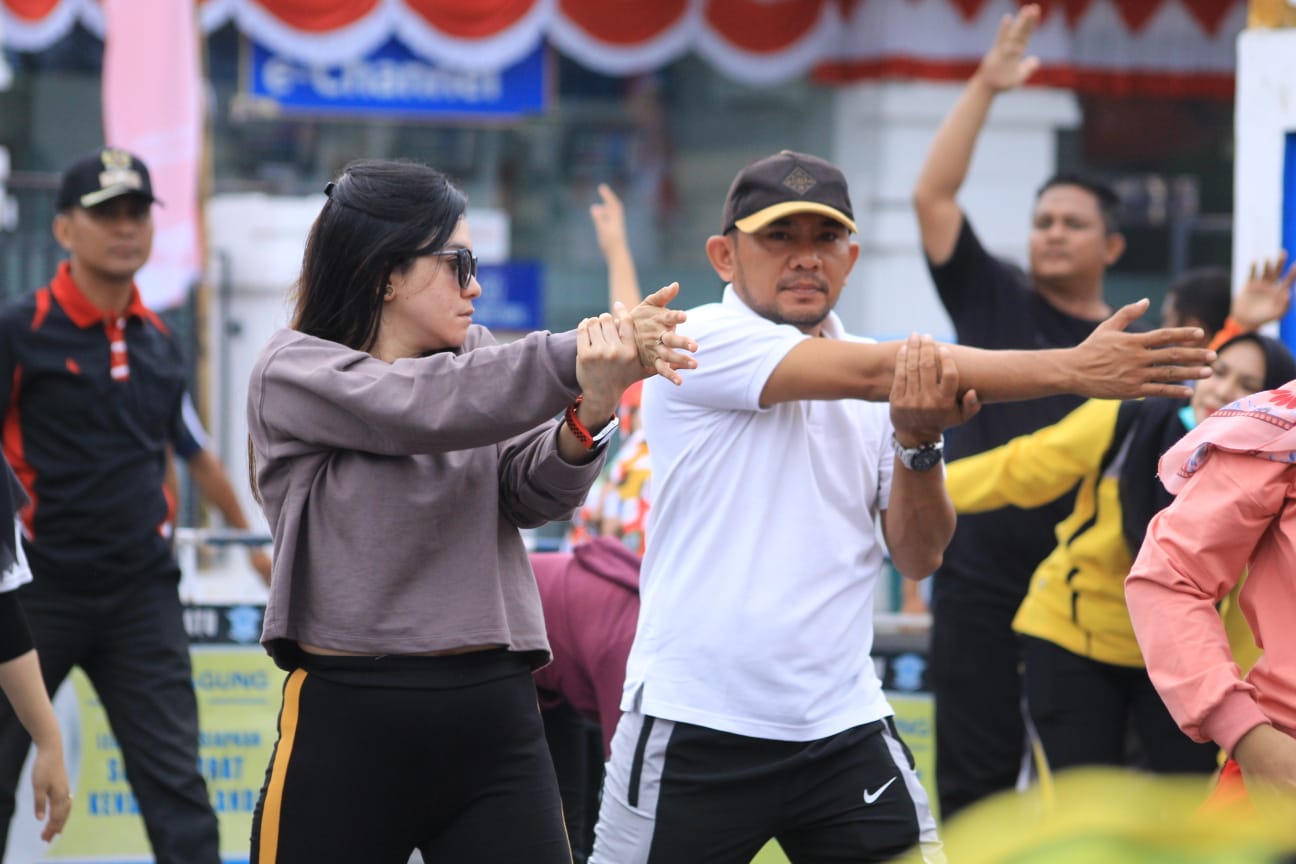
{"points": [[1006, 64], [925, 398], [1114, 364], [653, 326], [1266, 294]]}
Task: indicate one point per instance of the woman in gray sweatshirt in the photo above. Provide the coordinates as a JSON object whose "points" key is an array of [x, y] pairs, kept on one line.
{"points": [[397, 449]]}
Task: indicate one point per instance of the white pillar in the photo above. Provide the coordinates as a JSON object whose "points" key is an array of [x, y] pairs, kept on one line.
{"points": [[1264, 117], [880, 140]]}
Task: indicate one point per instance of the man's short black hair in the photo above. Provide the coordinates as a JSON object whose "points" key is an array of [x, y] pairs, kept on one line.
{"points": [[1204, 294], [1109, 203]]}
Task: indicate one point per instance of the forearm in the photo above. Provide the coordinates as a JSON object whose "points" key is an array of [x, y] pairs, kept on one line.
{"points": [[1032, 470], [214, 486], [20, 678], [919, 521], [623, 283], [1010, 376], [835, 369], [951, 150]]}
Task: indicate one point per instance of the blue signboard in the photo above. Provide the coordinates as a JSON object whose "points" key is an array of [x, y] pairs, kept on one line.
{"points": [[512, 296], [1287, 328], [394, 81]]}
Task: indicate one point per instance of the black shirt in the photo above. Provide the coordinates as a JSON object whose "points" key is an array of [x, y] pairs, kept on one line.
{"points": [[90, 403], [993, 305]]}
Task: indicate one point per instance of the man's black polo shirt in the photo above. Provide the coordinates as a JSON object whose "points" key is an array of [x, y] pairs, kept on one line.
{"points": [[90, 404]]}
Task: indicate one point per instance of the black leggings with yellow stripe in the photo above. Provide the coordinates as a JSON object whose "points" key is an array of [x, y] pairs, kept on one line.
{"points": [[379, 756]]}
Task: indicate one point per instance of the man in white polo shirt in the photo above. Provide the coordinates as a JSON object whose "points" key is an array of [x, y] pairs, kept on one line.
{"points": [[751, 706]]}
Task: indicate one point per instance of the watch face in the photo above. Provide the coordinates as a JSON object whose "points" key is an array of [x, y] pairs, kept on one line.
{"points": [[925, 459]]}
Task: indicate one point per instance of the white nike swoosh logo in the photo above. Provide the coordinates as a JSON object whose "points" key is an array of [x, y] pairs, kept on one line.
{"points": [[870, 797]]}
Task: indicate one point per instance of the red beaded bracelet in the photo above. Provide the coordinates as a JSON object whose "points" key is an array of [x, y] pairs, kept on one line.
{"points": [[576, 426]]}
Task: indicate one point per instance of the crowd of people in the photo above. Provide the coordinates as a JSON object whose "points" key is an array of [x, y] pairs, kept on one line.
{"points": [[1108, 487]]}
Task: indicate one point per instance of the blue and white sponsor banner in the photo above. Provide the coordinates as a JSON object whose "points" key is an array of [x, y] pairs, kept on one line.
{"points": [[1288, 326], [512, 296], [393, 81]]}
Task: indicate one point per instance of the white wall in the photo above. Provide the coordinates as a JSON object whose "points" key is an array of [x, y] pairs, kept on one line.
{"points": [[881, 137], [255, 245], [1265, 113]]}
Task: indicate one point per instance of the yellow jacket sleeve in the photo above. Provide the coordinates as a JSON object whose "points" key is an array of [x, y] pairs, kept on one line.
{"points": [[1034, 469]]}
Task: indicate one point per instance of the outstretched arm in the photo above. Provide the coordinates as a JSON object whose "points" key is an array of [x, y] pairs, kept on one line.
{"points": [[1004, 67], [1032, 470], [1110, 364], [609, 224]]}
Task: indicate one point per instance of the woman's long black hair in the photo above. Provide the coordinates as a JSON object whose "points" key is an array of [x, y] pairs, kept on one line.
{"points": [[378, 215]]}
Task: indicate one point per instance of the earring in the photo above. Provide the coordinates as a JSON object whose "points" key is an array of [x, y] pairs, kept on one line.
{"points": [[390, 292]]}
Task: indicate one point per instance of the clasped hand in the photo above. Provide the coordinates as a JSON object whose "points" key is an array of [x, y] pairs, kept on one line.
{"points": [[619, 348], [925, 398]]}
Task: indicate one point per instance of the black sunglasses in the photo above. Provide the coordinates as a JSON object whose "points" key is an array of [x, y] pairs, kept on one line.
{"points": [[465, 264]]}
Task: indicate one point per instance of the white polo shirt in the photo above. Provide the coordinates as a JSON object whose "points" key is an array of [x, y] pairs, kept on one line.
{"points": [[762, 556]]}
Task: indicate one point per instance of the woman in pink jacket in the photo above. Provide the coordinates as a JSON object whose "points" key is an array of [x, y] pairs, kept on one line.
{"points": [[1235, 476]]}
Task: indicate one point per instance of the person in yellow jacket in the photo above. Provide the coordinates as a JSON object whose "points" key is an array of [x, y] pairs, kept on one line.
{"points": [[1083, 676]]}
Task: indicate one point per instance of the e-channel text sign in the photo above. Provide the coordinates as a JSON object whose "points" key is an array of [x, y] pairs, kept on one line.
{"points": [[394, 81]]}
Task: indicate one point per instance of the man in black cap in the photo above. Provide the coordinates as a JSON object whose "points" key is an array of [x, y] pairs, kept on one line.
{"points": [[751, 705], [91, 390]]}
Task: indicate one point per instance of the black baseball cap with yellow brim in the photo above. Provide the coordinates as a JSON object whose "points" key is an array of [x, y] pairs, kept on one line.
{"points": [[785, 183], [106, 174]]}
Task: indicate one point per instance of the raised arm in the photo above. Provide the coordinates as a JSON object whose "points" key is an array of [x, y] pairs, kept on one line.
{"points": [[1264, 297], [1110, 364], [609, 224], [1004, 67]]}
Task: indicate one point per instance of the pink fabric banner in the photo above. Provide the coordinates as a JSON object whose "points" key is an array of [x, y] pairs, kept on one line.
{"points": [[152, 92]]}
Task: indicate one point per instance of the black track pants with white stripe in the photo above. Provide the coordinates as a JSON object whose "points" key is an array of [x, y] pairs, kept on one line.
{"points": [[678, 794]]}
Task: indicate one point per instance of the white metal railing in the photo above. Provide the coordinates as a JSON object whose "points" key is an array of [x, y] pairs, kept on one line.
{"points": [[188, 541]]}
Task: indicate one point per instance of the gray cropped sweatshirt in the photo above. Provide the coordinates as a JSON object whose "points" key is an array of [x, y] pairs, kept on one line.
{"points": [[395, 491]]}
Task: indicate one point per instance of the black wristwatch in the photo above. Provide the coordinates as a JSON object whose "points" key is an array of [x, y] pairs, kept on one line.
{"points": [[924, 457]]}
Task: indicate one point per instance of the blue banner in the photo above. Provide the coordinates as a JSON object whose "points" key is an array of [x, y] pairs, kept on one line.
{"points": [[1287, 328], [394, 81], [512, 296]]}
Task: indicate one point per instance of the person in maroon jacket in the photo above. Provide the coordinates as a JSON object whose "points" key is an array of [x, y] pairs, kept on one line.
{"points": [[591, 603], [590, 598]]}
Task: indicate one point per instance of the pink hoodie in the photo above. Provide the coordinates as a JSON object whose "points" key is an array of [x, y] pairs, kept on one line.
{"points": [[591, 607], [1237, 472]]}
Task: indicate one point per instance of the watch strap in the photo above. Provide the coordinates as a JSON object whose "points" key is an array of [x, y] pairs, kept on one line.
{"points": [[588, 440], [921, 458]]}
